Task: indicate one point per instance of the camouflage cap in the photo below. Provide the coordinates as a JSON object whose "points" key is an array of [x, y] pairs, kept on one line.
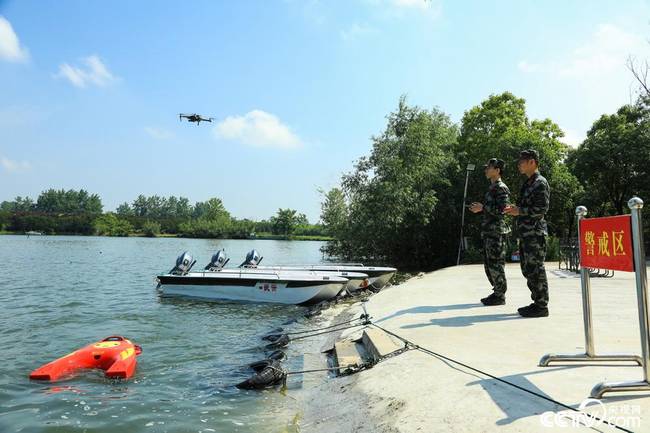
{"points": [[495, 163], [528, 154]]}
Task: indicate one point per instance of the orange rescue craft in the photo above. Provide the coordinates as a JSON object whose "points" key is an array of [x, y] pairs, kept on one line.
{"points": [[115, 355]]}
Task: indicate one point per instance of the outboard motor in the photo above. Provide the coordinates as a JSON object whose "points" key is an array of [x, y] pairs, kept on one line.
{"points": [[253, 259], [184, 263], [218, 261]]}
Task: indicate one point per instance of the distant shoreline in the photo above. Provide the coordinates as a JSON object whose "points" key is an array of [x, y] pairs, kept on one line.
{"points": [[166, 235]]}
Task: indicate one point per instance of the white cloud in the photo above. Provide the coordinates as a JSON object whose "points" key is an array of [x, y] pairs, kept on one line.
{"points": [[356, 30], [584, 79], [10, 48], [158, 133], [257, 128], [14, 166], [605, 53], [95, 72]]}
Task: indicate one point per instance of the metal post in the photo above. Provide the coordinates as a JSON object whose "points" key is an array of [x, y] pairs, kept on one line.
{"points": [[585, 285], [635, 204], [470, 167], [590, 352]]}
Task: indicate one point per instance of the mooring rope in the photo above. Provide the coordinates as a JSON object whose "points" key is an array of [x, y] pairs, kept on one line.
{"points": [[326, 327], [328, 331], [347, 370], [521, 388]]}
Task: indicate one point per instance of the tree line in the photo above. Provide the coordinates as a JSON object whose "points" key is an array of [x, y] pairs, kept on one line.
{"points": [[402, 203], [79, 212]]}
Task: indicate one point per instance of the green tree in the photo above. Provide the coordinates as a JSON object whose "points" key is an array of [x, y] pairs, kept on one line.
{"points": [[109, 224], [499, 127], [140, 206], [169, 207], [155, 205], [264, 226], [205, 228], [19, 204], [301, 219], [613, 163], [93, 205], [124, 210], [210, 220], [285, 222], [5, 218], [334, 212], [211, 209], [398, 196], [151, 229], [183, 208], [215, 210], [68, 202], [241, 229]]}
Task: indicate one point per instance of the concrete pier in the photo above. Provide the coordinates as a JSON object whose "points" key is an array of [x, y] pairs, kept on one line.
{"points": [[441, 311]]}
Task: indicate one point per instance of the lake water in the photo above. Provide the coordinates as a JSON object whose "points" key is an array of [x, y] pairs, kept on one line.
{"points": [[60, 293]]}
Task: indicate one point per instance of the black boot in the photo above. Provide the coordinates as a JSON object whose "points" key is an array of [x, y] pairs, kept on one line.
{"points": [[493, 299], [533, 310]]}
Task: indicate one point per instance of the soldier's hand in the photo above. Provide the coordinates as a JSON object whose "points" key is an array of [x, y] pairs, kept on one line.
{"points": [[476, 207], [511, 210]]}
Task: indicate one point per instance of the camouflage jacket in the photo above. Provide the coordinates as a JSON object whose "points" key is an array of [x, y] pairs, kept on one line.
{"points": [[533, 204], [496, 198]]}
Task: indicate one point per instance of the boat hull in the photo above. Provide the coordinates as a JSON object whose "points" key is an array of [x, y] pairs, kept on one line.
{"points": [[380, 280], [279, 292], [355, 284], [356, 280]]}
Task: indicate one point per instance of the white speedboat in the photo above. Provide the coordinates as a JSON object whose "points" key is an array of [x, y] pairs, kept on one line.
{"points": [[356, 280], [378, 276], [246, 285]]}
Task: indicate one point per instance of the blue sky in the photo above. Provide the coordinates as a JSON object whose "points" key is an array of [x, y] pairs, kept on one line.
{"points": [[90, 91]]}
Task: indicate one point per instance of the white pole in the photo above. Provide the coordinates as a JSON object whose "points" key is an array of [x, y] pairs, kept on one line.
{"points": [[636, 204]]}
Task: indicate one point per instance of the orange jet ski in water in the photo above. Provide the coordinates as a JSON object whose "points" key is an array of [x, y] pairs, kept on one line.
{"points": [[115, 355]]}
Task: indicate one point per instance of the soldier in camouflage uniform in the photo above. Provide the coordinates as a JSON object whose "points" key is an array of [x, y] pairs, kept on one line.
{"points": [[531, 207], [493, 231]]}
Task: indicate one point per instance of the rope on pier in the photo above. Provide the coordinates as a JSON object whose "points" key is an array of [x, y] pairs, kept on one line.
{"points": [[491, 376]]}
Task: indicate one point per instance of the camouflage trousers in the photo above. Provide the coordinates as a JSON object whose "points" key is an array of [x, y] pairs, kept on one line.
{"points": [[494, 260], [532, 252]]}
